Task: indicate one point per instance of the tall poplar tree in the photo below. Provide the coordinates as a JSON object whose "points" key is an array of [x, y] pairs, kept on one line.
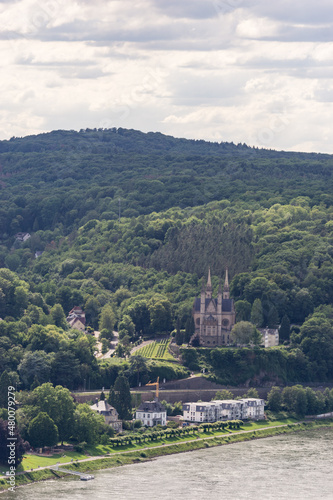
{"points": [[120, 398], [257, 316]]}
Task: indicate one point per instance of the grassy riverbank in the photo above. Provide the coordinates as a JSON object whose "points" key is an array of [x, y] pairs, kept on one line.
{"points": [[133, 454]]}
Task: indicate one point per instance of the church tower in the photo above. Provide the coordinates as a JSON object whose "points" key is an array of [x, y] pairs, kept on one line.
{"points": [[214, 318], [226, 290], [209, 289]]}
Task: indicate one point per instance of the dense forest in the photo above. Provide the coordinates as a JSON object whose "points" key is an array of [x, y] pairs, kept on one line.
{"points": [[125, 224]]}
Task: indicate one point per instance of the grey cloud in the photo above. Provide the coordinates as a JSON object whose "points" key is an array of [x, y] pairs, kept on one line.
{"points": [[263, 62], [190, 89], [193, 9], [297, 11], [201, 9], [30, 61], [324, 94], [84, 73], [303, 34], [89, 30]]}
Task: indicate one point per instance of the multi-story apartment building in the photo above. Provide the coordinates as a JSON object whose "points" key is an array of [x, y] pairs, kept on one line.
{"points": [[230, 409]]}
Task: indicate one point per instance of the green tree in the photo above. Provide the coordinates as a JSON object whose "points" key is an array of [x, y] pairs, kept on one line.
{"points": [[189, 329], [120, 398], [140, 316], [179, 335], [295, 399], [42, 431], [274, 399], [21, 297], [160, 314], [243, 333], [58, 403], [66, 369], [35, 364], [92, 309], [88, 424], [243, 310], [126, 327], [138, 368], [223, 394], [251, 393], [107, 320], [58, 316], [5, 382], [284, 330], [20, 445], [257, 316], [272, 317]]}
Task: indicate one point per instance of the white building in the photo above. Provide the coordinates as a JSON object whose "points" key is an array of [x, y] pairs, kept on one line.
{"points": [[254, 408], [270, 336], [229, 409], [151, 413]]}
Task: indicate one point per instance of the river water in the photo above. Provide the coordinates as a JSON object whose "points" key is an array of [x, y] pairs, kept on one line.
{"points": [[293, 466]]}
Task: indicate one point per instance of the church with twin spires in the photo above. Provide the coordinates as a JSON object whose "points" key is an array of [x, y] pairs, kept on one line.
{"points": [[214, 318]]}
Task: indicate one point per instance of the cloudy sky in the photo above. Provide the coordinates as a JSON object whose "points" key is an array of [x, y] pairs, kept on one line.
{"points": [[250, 71]]}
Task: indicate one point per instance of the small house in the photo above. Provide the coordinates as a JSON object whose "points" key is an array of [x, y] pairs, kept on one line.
{"points": [[109, 413], [77, 319]]}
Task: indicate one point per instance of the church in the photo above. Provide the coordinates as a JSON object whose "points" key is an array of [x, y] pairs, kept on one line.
{"points": [[214, 318]]}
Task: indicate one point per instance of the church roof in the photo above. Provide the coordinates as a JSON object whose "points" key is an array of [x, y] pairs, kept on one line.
{"points": [[226, 304]]}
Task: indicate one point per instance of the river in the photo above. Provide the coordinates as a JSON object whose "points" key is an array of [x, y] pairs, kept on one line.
{"points": [[288, 467]]}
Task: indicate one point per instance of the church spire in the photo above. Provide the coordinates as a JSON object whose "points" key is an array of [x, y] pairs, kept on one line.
{"points": [[209, 286], [226, 294]]}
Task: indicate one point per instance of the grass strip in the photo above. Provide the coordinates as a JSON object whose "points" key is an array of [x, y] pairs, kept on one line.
{"points": [[143, 455]]}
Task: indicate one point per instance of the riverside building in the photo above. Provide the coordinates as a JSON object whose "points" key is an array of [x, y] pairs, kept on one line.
{"points": [[229, 409]]}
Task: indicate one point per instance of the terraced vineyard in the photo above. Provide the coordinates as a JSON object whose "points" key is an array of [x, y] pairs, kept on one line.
{"points": [[156, 349]]}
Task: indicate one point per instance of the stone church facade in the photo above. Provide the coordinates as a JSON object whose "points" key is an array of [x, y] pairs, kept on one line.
{"points": [[214, 318]]}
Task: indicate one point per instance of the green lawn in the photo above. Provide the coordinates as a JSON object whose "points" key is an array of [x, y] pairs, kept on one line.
{"points": [[34, 461]]}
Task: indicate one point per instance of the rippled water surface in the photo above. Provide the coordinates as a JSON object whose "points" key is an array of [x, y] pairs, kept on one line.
{"points": [[295, 466]]}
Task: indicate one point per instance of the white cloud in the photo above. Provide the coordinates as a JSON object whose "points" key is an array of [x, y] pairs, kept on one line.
{"points": [[236, 70]]}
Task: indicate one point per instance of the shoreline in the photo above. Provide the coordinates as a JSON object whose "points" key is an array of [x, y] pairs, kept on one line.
{"points": [[129, 457]]}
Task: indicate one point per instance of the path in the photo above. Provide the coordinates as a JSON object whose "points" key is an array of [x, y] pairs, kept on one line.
{"points": [[146, 342], [90, 459], [98, 353]]}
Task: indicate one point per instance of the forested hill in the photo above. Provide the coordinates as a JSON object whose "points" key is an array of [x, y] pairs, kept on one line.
{"points": [[119, 140], [68, 178], [184, 205]]}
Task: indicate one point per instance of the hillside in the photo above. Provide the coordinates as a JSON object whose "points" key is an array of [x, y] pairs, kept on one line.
{"points": [[65, 178], [184, 206]]}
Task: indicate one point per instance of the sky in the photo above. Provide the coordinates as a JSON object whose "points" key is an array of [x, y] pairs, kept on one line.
{"points": [[246, 71]]}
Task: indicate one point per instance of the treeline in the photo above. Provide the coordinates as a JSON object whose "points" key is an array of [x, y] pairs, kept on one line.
{"points": [[48, 415], [279, 258], [63, 179], [37, 345], [144, 437], [309, 358], [300, 400]]}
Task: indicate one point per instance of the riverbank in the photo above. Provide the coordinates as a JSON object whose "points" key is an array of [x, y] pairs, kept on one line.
{"points": [[205, 440]]}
